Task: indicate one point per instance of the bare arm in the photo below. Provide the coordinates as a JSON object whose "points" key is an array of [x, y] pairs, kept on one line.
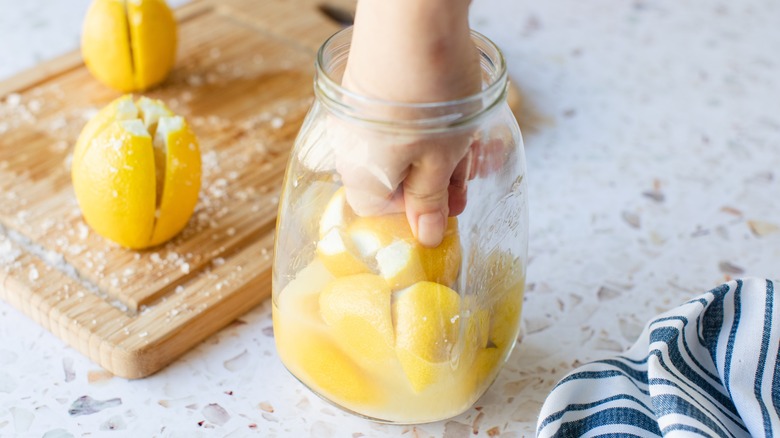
{"points": [[416, 51]]}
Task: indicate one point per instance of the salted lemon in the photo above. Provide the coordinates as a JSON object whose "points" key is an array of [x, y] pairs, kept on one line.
{"points": [[136, 172], [129, 45], [427, 321], [357, 309]]}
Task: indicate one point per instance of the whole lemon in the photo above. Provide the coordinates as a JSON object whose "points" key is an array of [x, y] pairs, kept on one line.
{"points": [[136, 172], [129, 45]]}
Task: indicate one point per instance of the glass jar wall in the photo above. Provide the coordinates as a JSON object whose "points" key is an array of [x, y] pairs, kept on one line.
{"points": [[366, 316]]}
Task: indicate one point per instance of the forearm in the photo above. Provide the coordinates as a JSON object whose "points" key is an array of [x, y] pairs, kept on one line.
{"points": [[412, 51]]}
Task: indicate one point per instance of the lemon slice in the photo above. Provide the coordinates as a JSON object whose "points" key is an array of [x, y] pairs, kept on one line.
{"points": [[426, 317], [129, 45], [357, 309], [137, 184]]}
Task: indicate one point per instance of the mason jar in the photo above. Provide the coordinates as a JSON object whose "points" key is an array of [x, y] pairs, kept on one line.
{"points": [[364, 315]]}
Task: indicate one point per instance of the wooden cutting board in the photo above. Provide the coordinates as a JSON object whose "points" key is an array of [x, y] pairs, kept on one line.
{"points": [[243, 79]]}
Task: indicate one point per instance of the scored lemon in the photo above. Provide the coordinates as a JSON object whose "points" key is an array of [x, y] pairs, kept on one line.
{"points": [[129, 45], [136, 172], [357, 309], [427, 322]]}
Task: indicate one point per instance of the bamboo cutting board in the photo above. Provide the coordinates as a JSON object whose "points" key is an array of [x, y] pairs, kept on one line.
{"points": [[243, 79]]}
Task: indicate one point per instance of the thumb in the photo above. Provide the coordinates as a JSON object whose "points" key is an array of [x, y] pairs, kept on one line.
{"points": [[426, 201]]}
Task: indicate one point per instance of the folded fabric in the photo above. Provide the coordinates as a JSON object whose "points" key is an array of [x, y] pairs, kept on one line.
{"points": [[706, 368]]}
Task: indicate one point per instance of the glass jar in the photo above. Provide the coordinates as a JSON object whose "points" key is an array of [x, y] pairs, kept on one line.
{"points": [[364, 315]]}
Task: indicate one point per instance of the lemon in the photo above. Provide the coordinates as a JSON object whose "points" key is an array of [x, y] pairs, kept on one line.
{"points": [[337, 212], [136, 172], [505, 317], [129, 45], [337, 254], [384, 245], [427, 321], [507, 284], [473, 336], [301, 296], [357, 309], [400, 264], [320, 363], [388, 242], [481, 372], [334, 248]]}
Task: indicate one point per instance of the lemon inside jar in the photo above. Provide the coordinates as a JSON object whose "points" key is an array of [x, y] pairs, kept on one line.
{"points": [[373, 323]]}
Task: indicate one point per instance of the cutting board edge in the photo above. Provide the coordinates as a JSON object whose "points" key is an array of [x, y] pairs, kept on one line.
{"points": [[139, 360]]}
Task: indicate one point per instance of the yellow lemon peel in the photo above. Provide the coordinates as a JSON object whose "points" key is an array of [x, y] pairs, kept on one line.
{"points": [[427, 321], [357, 309]]}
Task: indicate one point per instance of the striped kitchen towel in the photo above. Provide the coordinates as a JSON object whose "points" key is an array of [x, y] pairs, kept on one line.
{"points": [[707, 368]]}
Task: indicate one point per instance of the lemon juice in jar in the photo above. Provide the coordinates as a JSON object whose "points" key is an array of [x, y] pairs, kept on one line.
{"points": [[364, 315]]}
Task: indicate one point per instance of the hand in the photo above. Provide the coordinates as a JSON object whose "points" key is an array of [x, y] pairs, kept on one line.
{"points": [[411, 52]]}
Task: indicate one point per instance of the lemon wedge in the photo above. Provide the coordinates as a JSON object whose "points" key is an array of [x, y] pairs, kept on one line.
{"points": [[427, 321], [319, 362], [397, 255], [357, 309], [335, 249]]}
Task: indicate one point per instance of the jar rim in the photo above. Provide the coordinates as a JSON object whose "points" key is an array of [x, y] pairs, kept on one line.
{"points": [[462, 110]]}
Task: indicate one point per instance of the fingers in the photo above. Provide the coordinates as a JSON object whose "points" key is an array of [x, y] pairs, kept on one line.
{"points": [[370, 194], [426, 195], [458, 185], [370, 171]]}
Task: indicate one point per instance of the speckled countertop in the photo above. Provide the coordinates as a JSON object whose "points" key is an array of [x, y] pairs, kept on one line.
{"points": [[653, 141]]}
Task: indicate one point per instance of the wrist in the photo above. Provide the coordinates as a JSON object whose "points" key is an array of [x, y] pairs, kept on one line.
{"points": [[412, 51]]}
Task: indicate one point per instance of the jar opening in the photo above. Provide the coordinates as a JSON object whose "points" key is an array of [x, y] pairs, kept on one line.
{"points": [[332, 60]]}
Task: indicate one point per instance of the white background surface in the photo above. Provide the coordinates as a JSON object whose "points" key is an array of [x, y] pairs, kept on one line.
{"points": [[653, 140]]}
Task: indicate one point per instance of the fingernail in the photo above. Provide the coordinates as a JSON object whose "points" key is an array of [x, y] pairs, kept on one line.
{"points": [[430, 229]]}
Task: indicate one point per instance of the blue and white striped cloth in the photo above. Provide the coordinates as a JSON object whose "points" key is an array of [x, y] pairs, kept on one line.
{"points": [[707, 368]]}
